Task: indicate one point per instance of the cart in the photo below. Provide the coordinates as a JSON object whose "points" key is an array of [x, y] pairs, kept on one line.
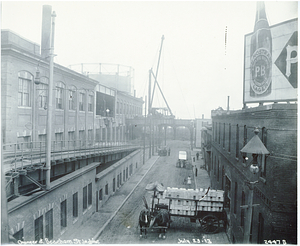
{"points": [[205, 205]]}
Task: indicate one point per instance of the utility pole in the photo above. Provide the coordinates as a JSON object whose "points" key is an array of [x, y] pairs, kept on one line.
{"points": [[49, 111], [149, 113], [145, 125]]}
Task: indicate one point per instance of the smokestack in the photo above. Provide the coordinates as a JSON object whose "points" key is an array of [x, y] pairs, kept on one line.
{"points": [[202, 116], [46, 30], [228, 103]]}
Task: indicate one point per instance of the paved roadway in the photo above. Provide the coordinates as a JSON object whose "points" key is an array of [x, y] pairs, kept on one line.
{"points": [[122, 221]]}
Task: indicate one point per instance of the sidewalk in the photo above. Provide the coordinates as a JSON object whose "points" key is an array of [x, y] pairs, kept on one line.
{"points": [[202, 180], [93, 227]]}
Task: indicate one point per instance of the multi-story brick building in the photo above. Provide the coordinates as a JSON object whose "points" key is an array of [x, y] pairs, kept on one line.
{"points": [[275, 195], [261, 195], [82, 107]]}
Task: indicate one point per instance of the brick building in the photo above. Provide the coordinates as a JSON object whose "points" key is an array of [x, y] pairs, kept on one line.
{"points": [[275, 195], [82, 107]]}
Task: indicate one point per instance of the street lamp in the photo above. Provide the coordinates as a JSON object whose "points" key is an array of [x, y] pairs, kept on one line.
{"points": [[254, 147]]}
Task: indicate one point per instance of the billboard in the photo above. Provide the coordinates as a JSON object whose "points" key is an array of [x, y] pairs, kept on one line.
{"points": [[271, 63]]}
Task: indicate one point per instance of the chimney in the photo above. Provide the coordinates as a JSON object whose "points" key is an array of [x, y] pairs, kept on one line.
{"points": [[227, 103], [46, 30], [134, 93]]}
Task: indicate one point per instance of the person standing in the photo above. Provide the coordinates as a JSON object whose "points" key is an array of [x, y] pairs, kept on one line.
{"points": [[189, 180]]}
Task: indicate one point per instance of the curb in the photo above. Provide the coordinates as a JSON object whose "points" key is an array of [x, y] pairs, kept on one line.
{"points": [[114, 214]]}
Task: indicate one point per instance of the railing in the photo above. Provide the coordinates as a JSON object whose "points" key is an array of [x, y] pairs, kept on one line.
{"points": [[18, 155]]}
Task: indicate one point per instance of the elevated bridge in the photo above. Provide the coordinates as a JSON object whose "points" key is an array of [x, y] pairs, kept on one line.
{"points": [[156, 126]]}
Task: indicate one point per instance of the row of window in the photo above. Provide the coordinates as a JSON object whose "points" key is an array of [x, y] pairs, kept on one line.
{"points": [[25, 91], [126, 172], [228, 193], [222, 135]]}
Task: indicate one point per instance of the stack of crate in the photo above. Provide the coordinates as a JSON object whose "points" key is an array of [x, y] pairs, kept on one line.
{"points": [[186, 201], [213, 201]]}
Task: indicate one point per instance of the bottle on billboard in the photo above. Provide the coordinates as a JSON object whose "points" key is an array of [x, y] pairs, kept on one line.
{"points": [[261, 55]]}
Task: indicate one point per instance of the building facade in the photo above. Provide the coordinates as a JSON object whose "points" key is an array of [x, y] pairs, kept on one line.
{"points": [[83, 109], [274, 211]]}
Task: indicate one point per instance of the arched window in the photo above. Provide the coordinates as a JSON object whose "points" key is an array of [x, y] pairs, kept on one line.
{"points": [[72, 97], [91, 102], [81, 100], [59, 98], [42, 92], [25, 88]]}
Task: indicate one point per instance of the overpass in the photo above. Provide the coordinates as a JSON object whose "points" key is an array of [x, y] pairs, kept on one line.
{"points": [[154, 127]]}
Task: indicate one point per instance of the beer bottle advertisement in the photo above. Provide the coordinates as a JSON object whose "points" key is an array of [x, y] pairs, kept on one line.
{"points": [[261, 55]]}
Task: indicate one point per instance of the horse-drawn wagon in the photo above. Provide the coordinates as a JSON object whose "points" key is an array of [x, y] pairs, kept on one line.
{"points": [[205, 205]]}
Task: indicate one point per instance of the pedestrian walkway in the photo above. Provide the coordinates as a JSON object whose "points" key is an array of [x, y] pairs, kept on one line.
{"points": [[202, 180], [93, 227]]}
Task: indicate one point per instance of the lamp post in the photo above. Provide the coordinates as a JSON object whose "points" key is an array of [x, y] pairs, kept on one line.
{"points": [[254, 147]]}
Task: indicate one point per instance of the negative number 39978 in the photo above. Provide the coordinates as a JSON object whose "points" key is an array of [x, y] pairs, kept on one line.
{"points": [[275, 241]]}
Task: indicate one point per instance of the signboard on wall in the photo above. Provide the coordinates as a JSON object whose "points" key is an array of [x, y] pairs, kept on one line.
{"points": [[271, 68]]}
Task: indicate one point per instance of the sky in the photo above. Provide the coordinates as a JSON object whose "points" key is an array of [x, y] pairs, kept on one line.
{"points": [[198, 70]]}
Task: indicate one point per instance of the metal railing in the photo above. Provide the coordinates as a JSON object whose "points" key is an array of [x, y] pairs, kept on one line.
{"points": [[18, 155]]}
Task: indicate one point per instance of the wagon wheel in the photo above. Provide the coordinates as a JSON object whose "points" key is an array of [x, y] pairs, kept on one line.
{"points": [[210, 224]]}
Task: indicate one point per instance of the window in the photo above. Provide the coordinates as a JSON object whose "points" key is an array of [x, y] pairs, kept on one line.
{"points": [[118, 180], [100, 194], [237, 144], [218, 169], [219, 133], [42, 138], [90, 197], [49, 224], [106, 189], [91, 102], [244, 155], [71, 136], [124, 178], [264, 157], [81, 101], [24, 91], [235, 197], [58, 136], [84, 200], [260, 236], [42, 95], [126, 172], [223, 135], [245, 135], [227, 193], [38, 228], [243, 210], [223, 176], [19, 235], [90, 136], [75, 205], [59, 95], [72, 98], [63, 214], [81, 137], [229, 137], [114, 184]]}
